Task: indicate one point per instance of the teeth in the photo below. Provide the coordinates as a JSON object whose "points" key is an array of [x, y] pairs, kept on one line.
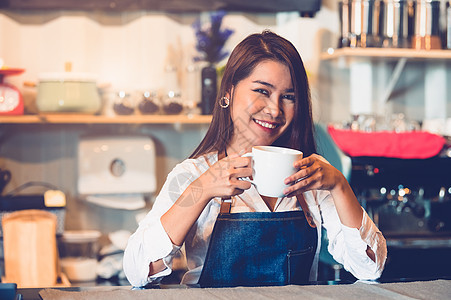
{"points": [[265, 124]]}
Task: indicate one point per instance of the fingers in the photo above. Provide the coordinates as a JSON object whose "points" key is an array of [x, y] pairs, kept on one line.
{"points": [[224, 176], [233, 186], [305, 184], [236, 161], [315, 173], [307, 166], [310, 160], [233, 167], [241, 162], [233, 155], [239, 166], [242, 185], [308, 177], [299, 175], [305, 162]]}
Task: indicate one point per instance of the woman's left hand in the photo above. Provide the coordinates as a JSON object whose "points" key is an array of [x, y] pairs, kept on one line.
{"points": [[315, 173]]}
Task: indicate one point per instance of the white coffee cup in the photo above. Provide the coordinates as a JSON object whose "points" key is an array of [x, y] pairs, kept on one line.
{"points": [[271, 165]]}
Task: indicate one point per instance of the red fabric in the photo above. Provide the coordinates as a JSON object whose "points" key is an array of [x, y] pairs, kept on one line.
{"points": [[415, 144]]}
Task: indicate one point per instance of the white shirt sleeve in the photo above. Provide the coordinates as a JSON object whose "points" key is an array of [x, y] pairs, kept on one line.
{"points": [[348, 245], [150, 241]]}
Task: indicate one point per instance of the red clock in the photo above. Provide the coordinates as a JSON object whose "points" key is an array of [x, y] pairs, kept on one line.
{"points": [[11, 102]]}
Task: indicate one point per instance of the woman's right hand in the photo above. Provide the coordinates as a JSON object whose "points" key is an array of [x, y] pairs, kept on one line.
{"points": [[222, 178]]}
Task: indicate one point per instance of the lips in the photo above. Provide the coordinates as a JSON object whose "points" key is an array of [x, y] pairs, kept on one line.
{"points": [[266, 124]]}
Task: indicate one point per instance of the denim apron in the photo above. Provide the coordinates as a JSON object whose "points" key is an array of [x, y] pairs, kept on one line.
{"points": [[259, 249]]}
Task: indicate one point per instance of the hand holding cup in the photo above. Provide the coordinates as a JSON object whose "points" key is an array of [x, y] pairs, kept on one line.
{"points": [[271, 166]]}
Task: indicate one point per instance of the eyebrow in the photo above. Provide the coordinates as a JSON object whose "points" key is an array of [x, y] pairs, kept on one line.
{"points": [[272, 86]]}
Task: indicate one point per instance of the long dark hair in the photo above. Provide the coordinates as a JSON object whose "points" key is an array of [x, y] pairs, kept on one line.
{"points": [[244, 58]]}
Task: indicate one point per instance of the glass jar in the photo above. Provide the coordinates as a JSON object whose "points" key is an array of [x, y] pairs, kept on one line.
{"points": [[149, 103], [78, 253], [124, 103], [173, 103]]}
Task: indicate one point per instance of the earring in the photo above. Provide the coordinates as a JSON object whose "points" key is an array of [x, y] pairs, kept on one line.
{"points": [[224, 102]]}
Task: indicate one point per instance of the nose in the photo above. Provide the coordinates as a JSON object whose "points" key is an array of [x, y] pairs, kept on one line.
{"points": [[273, 107]]}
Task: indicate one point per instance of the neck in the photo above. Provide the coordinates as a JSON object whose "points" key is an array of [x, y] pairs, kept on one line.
{"points": [[270, 202], [238, 145]]}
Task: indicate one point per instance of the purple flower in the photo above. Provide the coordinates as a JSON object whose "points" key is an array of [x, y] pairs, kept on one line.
{"points": [[211, 39]]}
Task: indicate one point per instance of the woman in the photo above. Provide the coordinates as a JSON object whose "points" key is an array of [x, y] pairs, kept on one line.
{"points": [[264, 99]]}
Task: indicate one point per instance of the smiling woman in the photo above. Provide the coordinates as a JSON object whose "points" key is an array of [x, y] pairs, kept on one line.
{"points": [[266, 106], [216, 212], [253, 63]]}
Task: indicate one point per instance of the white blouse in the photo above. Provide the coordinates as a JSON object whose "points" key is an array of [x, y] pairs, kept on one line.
{"points": [[150, 242]]}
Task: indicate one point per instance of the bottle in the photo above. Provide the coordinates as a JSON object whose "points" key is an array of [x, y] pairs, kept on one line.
{"points": [[209, 89], [448, 25]]}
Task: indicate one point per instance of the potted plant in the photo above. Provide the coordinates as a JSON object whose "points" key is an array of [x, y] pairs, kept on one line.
{"points": [[210, 44]]}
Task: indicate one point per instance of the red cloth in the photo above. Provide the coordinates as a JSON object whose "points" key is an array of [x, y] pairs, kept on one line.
{"points": [[409, 145]]}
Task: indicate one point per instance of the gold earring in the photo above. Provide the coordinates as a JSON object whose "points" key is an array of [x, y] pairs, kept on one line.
{"points": [[224, 102]]}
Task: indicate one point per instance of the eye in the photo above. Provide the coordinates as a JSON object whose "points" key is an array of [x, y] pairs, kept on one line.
{"points": [[261, 91], [289, 97]]}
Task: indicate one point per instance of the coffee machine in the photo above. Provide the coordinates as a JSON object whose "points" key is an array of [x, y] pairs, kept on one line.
{"points": [[410, 202]]}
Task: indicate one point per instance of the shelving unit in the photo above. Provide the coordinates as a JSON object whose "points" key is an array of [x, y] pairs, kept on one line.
{"points": [[386, 53], [93, 119], [362, 61]]}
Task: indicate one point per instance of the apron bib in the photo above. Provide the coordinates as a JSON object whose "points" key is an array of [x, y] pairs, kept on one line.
{"points": [[259, 249]]}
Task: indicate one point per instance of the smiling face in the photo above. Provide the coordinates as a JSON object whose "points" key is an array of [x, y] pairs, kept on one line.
{"points": [[267, 85], [262, 106]]}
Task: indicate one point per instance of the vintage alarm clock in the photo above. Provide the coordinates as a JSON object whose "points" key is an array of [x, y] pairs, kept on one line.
{"points": [[11, 102]]}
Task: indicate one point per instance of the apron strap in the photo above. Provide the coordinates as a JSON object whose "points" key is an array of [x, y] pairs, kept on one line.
{"points": [[306, 210], [226, 205]]}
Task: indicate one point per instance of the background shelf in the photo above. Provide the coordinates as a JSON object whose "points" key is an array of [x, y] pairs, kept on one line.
{"points": [[92, 119], [385, 53]]}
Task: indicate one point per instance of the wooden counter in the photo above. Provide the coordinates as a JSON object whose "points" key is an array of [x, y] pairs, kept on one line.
{"points": [[436, 289]]}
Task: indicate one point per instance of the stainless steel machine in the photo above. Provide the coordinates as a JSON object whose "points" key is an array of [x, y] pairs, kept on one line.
{"points": [[410, 202]]}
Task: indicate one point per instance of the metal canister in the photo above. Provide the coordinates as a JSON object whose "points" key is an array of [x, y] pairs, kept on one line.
{"points": [[398, 21], [448, 25], [360, 23], [356, 23], [427, 25], [371, 23], [344, 11]]}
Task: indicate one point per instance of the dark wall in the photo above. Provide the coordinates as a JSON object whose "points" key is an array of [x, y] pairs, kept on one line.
{"points": [[305, 7]]}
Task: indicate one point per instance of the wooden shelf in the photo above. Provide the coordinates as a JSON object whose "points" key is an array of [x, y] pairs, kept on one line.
{"points": [[384, 53], [92, 119]]}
